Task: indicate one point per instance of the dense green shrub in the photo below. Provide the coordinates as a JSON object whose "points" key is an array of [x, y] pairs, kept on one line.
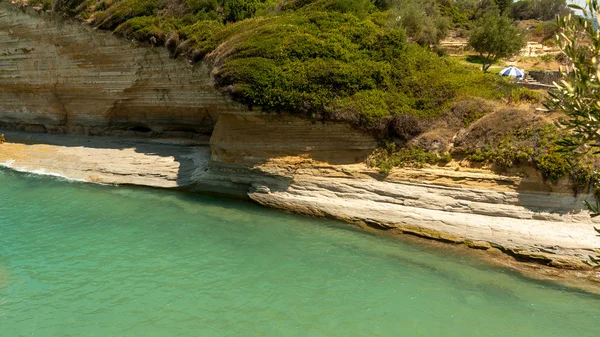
{"points": [[535, 146], [237, 10], [544, 10], [494, 37], [333, 65], [44, 4], [202, 5], [327, 59], [394, 156], [522, 94], [124, 10]]}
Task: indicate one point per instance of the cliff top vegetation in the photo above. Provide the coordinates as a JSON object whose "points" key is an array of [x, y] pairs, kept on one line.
{"points": [[372, 63], [362, 61]]}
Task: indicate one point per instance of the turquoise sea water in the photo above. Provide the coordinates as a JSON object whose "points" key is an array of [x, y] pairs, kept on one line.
{"points": [[87, 260]]}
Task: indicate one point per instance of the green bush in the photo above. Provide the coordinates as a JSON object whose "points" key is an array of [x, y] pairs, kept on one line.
{"points": [[534, 146], [326, 59], [546, 58], [412, 156], [123, 10], [522, 94], [44, 4], [202, 5], [237, 10]]}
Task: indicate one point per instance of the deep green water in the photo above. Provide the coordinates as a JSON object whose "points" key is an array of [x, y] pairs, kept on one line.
{"points": [[86, 260]]}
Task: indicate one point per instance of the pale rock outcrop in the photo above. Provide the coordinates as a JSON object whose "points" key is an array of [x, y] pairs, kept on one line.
{"points": [[303, 167], [107, 160], [60, 76], [550, 227]]}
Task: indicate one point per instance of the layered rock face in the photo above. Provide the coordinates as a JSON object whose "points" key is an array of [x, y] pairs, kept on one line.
{"points": [[59, 77], [244, 140], [63, 77], [311, 168], [552, 228], [250, 138]]}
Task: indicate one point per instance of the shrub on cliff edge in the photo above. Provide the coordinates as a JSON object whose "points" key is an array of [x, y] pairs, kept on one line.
{"points": [[342, 60]]}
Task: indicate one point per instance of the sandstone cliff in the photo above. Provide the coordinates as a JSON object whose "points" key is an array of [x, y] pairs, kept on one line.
{"points": [[315, 169], [59, 77]]}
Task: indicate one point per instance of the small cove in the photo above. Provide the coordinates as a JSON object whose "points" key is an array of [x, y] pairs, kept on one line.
{"points": [[88, 260]]}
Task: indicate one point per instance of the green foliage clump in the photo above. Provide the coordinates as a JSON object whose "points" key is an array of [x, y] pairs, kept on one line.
{"points": [[44, 4], [546, 58], [67, 6], [577, 96], [544, 29], [534, 145], [206, 6], [494, 37], [423, 21], [327, 59], [124, 10], [338, 66], [470, 110], [522, 94], [393, 155], [143, 28], [544, 10], [237, 10]]}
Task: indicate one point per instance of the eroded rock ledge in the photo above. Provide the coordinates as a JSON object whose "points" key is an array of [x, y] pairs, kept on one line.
{"points": [[64, 78], [473, 207]]}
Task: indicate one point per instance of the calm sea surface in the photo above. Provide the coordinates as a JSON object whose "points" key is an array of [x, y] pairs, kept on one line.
{"points": [[87, 260]]}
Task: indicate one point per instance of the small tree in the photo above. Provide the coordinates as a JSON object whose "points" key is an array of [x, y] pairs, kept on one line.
{"points": [[495, 37]]}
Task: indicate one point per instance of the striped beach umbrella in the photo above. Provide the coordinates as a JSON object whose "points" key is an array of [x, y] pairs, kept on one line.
{"points": [[513, 72]]}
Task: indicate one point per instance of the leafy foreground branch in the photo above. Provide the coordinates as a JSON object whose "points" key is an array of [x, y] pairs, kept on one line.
{"points": [[578, 94]]}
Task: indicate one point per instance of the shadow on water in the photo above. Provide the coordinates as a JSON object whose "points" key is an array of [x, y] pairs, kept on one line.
{"points": [[456, 264], [182, 150]]}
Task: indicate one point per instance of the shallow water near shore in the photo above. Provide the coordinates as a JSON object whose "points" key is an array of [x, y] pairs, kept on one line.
{"points": [[88, 260]]}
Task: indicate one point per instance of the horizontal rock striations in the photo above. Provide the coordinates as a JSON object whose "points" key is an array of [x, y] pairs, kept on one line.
{"points": [[62, 77], [249, 138], [309, 168], [549, 227]]}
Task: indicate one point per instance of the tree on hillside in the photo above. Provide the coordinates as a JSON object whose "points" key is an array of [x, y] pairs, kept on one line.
{"points": [[422, 20], [547, 10], [503, 5], [578, 95], [543, 10], [495, 37]]}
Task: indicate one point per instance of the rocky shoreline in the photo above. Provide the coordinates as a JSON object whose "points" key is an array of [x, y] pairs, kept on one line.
{"points": [[110, 111], [480, 210]]}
